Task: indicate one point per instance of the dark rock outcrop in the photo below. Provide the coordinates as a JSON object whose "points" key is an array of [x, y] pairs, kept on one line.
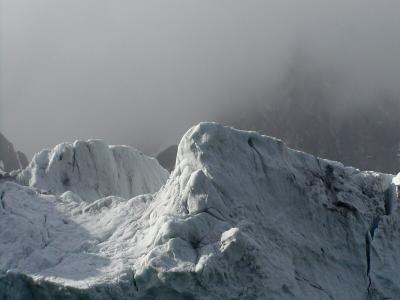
{"points": [[9, 158], [167, 157]]}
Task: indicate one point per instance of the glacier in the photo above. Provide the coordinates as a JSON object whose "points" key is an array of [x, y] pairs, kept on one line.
{"points": [[242, 216]]}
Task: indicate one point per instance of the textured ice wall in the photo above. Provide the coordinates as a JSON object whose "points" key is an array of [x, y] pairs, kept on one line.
{"points": [[241, 217], [94, 170]]}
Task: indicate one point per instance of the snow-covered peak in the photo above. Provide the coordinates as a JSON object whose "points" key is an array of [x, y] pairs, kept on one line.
{"points": [[94, 170]]}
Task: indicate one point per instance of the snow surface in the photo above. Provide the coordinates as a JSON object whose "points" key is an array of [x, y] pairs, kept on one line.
{"points": [[396, 180], [94, 170], [241, 217]]}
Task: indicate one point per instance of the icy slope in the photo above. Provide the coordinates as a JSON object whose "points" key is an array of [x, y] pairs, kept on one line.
{"points": [[94, 170], [241, 217]]}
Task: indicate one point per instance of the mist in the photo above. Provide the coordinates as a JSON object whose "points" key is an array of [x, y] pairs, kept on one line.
{"points": [[142, 72]]}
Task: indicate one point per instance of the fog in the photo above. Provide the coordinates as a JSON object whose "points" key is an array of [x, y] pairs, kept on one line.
{"points": [[142, 72]]}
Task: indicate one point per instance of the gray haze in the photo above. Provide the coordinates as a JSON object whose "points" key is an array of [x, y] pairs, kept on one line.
{"points": [[142, 72]]}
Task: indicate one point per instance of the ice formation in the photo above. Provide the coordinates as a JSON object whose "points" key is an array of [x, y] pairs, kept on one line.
{"points": [[396, 180], [241, 217], [93, 170]]}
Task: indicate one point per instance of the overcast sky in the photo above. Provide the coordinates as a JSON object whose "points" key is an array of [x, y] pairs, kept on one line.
{"points": [[142, 72]]}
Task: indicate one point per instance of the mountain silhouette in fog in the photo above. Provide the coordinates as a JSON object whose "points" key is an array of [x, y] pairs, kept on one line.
{"points": [[310, 111], [9, 158]]}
